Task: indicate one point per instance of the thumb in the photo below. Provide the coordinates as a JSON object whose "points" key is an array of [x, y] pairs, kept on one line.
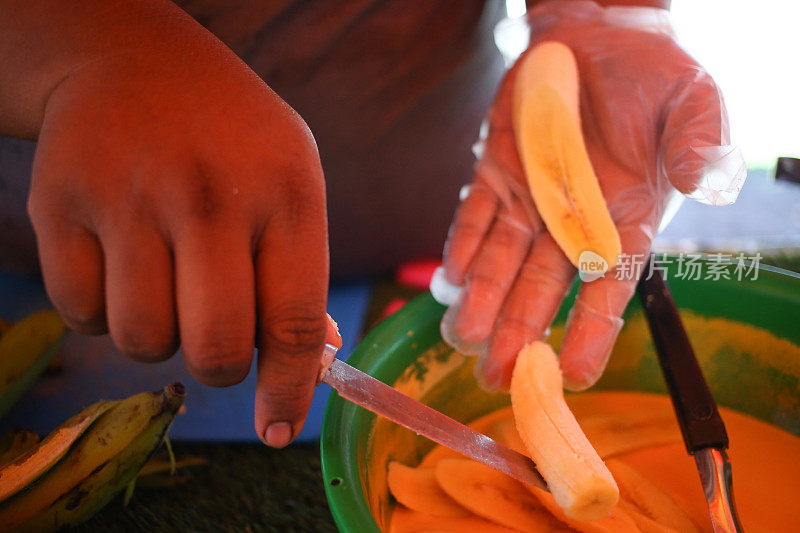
{"points": [[293, 328], [696, 153]]}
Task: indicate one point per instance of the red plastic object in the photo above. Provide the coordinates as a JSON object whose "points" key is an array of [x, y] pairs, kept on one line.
{"points": [[417, 274], [393, 306]]}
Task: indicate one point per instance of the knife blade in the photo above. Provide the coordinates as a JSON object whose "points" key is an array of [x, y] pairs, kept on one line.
{"points": [[374, 395]]}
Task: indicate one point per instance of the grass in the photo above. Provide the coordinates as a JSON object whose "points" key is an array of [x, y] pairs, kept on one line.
{"points": [[244, 487]]}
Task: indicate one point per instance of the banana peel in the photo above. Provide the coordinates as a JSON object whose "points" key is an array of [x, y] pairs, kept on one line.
{"points": [[26, 468], [16, 442], [26, 349], [100, 461]]}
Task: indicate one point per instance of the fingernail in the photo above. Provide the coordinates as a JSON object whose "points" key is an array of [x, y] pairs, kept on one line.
{"points": [[491, 377], [577, 385], [442, 290], [581, 378], [278, 434], [488, 374], [579, 374]]}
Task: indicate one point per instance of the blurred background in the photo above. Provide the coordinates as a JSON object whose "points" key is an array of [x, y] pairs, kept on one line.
{"points": [[748, 48]]}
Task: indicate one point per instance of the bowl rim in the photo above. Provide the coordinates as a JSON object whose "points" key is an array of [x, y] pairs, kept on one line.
{"points": [[339, 459]]}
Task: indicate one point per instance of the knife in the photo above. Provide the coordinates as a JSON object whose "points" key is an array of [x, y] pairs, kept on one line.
{"points": [[374, 395], [701, 425]]}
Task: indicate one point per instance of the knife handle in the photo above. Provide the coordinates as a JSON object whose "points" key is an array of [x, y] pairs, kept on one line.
{"points": [[699, 419]]}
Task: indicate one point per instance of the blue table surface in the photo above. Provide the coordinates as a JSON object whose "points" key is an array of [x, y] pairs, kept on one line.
{"points": [[93, 370]]}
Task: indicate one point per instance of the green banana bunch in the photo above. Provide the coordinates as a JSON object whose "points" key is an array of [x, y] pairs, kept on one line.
{"points": [[79, 467], [26, 348]]}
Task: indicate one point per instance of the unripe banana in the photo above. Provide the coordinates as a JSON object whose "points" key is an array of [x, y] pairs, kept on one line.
{"points": [[101, 461], [25, 469], [25, 351]]}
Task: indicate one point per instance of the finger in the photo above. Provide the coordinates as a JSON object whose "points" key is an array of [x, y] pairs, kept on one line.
{"points": [[596, 318], [544, 279], [477, 211], [292, 285], [139, 293], [699, 159], [216, 303], [492, 275], [72, 267], [470, 225], [501, 114]]}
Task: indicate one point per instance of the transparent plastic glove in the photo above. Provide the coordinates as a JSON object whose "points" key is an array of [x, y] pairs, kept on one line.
{"points": [[654, 122]]}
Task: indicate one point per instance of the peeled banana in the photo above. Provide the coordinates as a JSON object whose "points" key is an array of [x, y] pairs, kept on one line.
{"points": [[26, 348], [84, 463], [645, 498], [418, 489], [616, 434], [576, 476], [493, 495], [565, 189]]}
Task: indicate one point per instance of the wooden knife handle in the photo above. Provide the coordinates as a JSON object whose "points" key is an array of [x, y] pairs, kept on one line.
{"points": [[697, 413]]}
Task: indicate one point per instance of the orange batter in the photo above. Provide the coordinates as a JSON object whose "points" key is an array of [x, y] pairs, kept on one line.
{"points": [[765, 459]]}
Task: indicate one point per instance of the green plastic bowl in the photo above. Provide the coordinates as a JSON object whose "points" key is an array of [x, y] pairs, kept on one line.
{"points": [[748, 367]]}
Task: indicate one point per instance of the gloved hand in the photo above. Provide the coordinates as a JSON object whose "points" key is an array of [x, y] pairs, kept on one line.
{"points": [[654, 122]]}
